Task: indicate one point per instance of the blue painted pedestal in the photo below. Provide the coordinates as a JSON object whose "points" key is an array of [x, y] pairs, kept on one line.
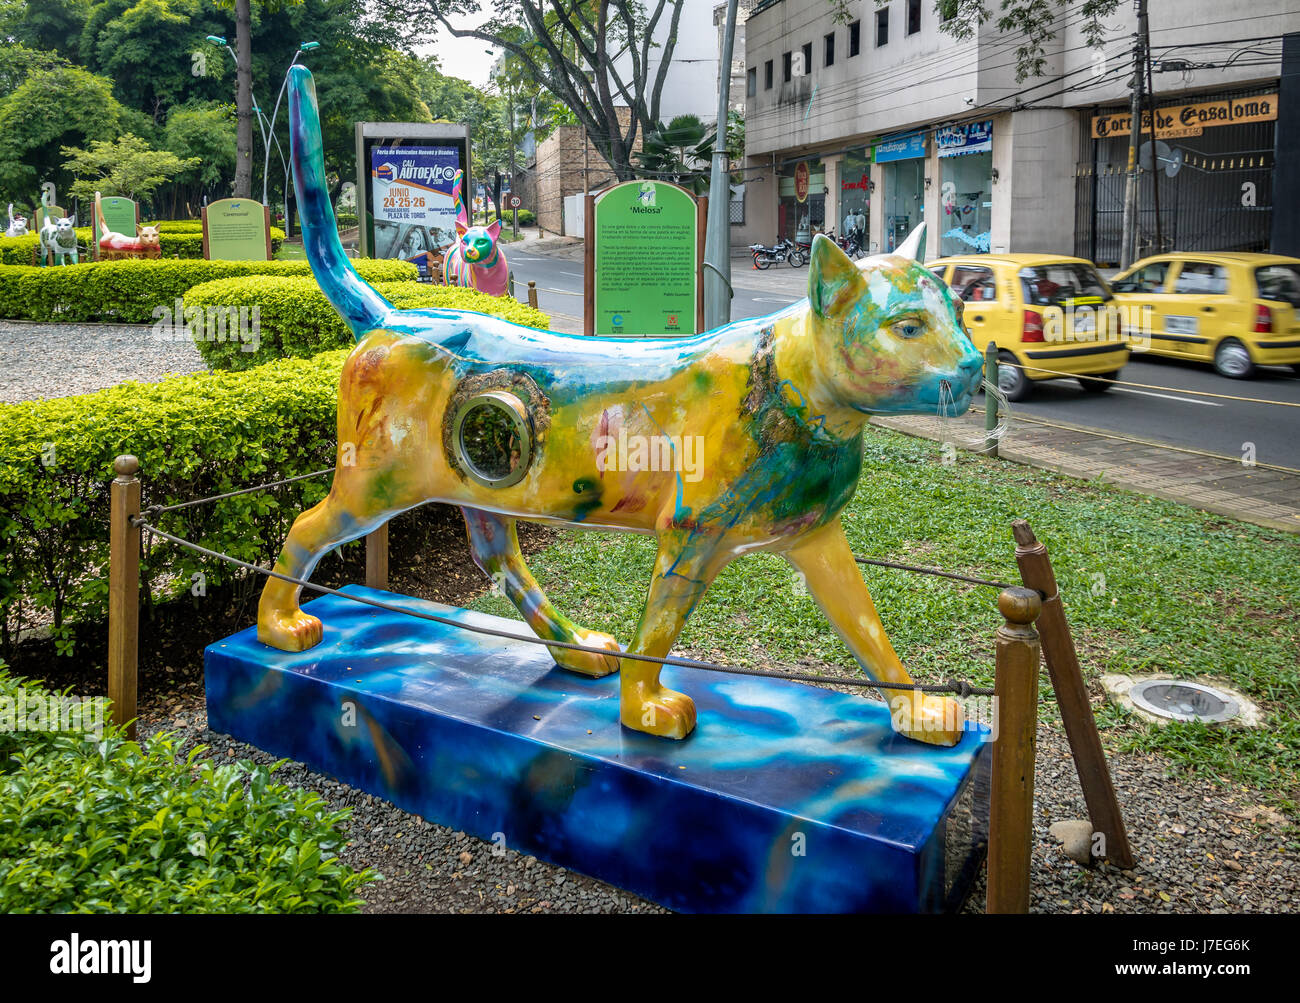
{"points": [[787, 797]]}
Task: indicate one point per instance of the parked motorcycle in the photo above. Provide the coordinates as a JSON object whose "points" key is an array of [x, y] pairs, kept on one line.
{"points": [[782, 250]]}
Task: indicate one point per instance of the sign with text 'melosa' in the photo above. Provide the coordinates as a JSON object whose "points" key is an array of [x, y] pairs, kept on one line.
{"points": [[643, 261]]}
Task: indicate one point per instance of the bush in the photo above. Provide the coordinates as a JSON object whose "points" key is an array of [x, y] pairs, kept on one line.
{"points": [[527, 217], [180, 226], [130, 291], [175, 243], [195, 435], [99, 825], [297, 321], [346, 220]]}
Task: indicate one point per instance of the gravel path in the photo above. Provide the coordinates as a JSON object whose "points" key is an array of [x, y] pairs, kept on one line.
{"points": [[59, 360]]}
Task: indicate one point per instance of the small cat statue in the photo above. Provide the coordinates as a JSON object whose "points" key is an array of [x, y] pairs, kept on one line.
{"points": [[112, 245], [17, 224], [59, 240], [476, 259], [773, 409]]}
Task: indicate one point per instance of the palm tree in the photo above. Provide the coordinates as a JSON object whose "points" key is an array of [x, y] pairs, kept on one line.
{"points": [[680, 152]]}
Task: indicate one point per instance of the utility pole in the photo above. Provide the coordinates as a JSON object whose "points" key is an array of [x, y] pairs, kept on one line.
{"points": [[514, 212], [717, 238], [1155, 137], [1129, 241]]}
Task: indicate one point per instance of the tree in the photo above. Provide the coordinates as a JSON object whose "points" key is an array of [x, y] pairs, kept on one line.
{"points": [[63, 106], [679, 152], [1036, 20], [206, 133], [126, 167], [588, 53]]}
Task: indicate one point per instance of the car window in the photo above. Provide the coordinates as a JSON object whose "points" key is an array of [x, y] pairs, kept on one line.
{"points": [[1200, 278], [973, 283], [1149, 279], [1054, 284], [1279, 282]]}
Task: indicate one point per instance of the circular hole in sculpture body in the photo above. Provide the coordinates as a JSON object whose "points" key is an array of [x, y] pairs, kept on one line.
{"points": [[493, 439]]}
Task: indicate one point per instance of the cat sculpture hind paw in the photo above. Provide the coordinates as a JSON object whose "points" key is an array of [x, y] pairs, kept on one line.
{"points": [[660, 711], [292, 631]]}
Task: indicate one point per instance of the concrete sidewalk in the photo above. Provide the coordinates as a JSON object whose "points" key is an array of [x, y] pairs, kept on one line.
{"points": [[1255, 494]]}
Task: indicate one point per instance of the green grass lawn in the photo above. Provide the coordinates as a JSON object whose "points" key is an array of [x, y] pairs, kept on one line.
{"points": [[1148, 585]]}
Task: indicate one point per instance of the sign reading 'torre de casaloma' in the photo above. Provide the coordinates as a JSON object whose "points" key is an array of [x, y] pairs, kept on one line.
{"points": [[643, 261], [1191, 119]]}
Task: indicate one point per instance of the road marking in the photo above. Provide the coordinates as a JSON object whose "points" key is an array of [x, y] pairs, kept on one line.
{"points": [[769, 299], [1168, 397], [579, 274]]}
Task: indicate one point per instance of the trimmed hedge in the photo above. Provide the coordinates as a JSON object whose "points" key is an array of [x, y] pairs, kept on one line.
{"points": [[180, 226], [296, 320], [195, 435], [131, 291], [176, 243], [101, 824]]}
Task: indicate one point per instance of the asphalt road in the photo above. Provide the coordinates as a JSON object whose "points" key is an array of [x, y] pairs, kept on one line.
{"points": [[1167, 414]]}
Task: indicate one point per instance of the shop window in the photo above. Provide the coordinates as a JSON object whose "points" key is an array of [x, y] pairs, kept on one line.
{"points": [[855, 38], [973, 284], [751, 82], [882, 27], [1200, 278], [807, 58], [913, 16], [830, 49], [767, 75], [786, 62], [1150, 279]]}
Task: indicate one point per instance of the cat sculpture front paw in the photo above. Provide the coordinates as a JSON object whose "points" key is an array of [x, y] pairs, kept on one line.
{"points": [[659, 711], [585, 662], [927, 717]]}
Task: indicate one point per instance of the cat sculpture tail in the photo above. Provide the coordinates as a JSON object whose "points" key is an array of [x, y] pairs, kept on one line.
{"points": [[356, 301]]}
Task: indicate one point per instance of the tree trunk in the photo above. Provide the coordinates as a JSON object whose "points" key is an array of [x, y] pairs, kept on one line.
{"points": [[244, 100]]}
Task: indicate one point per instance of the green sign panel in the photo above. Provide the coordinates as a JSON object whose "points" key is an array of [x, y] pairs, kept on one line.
{"points": [[236, 230], [646, 263], [119, 216]]}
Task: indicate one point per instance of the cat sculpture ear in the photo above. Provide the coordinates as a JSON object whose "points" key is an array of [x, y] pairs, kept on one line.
{"points": [[911, 247], [494, 229], [73, 219], [461, 229], [833, 279]]}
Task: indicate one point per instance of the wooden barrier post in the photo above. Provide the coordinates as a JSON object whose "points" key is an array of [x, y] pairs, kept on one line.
{"points": [[124, 591], [1072, 697], [377, 558], [532, 294], [990, 402], [1011, 802]]}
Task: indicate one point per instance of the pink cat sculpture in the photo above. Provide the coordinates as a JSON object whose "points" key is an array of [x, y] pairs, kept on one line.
{"points": [[476, 259]]}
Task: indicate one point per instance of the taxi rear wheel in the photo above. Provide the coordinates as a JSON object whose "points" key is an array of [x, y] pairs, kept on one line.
{"points": [[1012, 380], [1232, 359], [1097, 382]]}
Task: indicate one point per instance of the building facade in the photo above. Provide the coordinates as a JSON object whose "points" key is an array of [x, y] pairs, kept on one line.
{"points": [[888, 120]]}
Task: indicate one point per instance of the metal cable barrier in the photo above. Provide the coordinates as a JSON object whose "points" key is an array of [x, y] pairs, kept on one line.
{"points": [[957, 687]]}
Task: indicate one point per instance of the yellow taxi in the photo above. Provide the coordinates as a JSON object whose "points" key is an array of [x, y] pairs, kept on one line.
{"points": [[1235, 311], [1041, 310]]}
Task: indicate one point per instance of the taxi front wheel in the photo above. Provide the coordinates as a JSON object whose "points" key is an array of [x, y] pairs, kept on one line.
{"points": [[1232, 359], [1012, 380], [1097, 383]]}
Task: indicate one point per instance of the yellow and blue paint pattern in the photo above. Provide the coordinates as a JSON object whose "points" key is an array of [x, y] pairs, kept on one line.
{"points": [[794, 799]]}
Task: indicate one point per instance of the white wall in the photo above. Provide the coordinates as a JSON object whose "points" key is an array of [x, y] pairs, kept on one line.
{"points": [[691, 87]]}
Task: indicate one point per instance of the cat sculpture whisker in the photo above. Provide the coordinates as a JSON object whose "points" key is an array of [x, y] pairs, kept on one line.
{"points": [[510, 422]]}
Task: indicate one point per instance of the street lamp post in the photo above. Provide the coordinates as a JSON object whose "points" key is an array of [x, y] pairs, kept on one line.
{"points": [[267, 126]]}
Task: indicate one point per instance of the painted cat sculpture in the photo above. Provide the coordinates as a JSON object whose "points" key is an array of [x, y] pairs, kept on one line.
{"points": [[58, 240], [476, 259], [17, 226], [147, 243], [773, 407]]}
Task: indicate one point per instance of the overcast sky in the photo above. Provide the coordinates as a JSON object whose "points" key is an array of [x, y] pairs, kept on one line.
{"points": [[462, 57]]}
